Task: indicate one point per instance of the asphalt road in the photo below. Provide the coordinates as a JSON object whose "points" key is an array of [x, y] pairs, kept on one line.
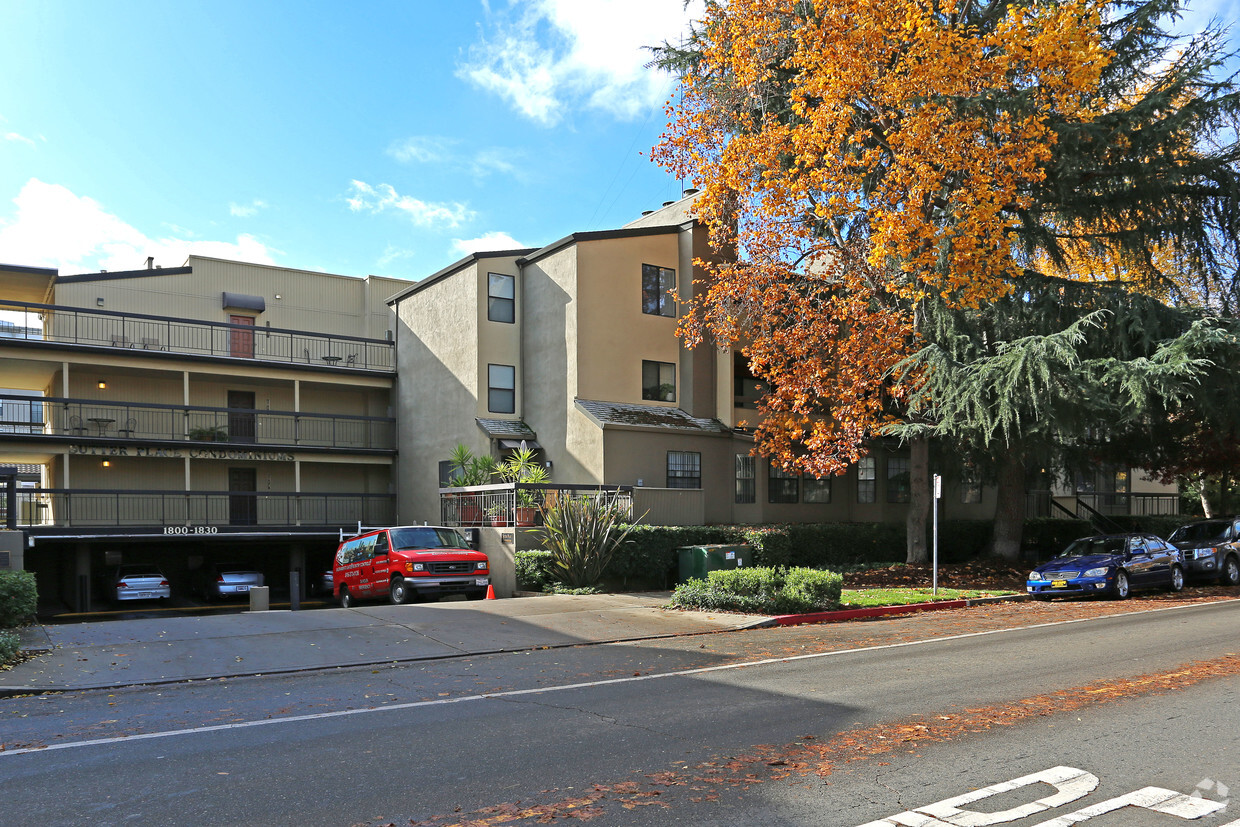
{"points": [[670, 732]]}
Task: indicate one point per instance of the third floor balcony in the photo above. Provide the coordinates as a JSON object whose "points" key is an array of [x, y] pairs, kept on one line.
{"points": [[63, 325], [149, 422]]}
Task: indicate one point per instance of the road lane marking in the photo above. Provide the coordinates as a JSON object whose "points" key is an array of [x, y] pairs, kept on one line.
{"points": [[513, 693]]}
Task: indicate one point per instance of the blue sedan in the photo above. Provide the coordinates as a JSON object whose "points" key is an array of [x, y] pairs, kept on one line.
{"points": [[1109, 564]]}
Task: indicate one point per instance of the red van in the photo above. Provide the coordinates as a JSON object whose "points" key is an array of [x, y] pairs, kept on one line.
{"points": [[408, 561]]}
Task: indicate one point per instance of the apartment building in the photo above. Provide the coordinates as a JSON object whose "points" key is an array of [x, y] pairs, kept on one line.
{"points": [[572, 348], [175, 415]]}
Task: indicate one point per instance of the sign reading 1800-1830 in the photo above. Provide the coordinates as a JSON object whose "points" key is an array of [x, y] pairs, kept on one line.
{"points": [[180, 453]]}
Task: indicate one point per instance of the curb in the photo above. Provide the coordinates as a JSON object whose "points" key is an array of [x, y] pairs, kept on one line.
{"points": [[883, 611]]}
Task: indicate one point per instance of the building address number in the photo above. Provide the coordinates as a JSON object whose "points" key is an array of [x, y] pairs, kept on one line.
{"points": [[190, 529]]}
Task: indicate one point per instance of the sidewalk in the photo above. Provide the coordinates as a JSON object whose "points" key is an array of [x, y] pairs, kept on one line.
{"points": [[109, 654]]}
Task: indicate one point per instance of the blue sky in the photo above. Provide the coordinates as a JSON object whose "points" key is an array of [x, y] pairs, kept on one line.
{"points": [[377, 137]]}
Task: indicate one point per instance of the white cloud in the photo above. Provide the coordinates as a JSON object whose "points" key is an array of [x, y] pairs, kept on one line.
{"points": [[13, 136], [422, 149], [246, 210], [553, 54], [384, 197], [53, 227], [487, 242]]}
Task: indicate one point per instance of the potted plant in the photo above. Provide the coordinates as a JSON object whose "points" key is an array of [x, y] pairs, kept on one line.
{"points": [[521, 467], [207, 434], [497, 515], [467, 470]]}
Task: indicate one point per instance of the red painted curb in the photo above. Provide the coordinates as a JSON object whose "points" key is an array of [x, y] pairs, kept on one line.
{"points": [[877, 611]]}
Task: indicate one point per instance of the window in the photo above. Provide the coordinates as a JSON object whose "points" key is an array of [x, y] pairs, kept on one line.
{"points": [[816, 490], [659, 381], [746, 482], [782, 486], [501, 298], [656, 282], [501, 389], [970, 488], [897, 480], [865, 480], [684, 469]]}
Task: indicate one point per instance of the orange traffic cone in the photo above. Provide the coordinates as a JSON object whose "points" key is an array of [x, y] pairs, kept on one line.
{"points": [[490, 592]]}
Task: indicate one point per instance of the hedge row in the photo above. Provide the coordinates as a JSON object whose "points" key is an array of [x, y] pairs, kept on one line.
{"points": [[18, 598], [762, 590]]}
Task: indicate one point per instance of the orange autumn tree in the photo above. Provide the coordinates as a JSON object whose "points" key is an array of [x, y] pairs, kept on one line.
{"points": [[855, 158]]}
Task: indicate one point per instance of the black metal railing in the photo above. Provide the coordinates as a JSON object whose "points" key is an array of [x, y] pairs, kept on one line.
{"points": [[1084, 505], [140, 331], [149, 421], [514, 504], [197, 512]]}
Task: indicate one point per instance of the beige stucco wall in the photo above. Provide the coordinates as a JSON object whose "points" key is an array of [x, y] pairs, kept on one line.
{"points": [[321, 302]]}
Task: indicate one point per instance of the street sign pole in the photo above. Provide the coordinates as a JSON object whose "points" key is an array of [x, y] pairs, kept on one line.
{"points": [[938, 492]]}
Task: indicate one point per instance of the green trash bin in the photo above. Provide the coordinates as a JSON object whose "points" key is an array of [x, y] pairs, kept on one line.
{"points": [[697, 561]]}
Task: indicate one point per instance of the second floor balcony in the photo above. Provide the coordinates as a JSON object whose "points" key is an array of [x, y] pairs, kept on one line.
{"points": [[148, 422], [138, 331]]}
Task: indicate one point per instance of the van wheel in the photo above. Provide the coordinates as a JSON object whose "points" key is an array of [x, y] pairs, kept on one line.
{"points": [[346, 599], [398, 592]]}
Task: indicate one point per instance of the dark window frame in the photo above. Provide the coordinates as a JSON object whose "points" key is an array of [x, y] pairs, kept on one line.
{"points": [[654, 390], [782, 486], [657, 282], [495, 391], [746, 471], [867, 489], [684, 467], [899, 479], [495, 302]]}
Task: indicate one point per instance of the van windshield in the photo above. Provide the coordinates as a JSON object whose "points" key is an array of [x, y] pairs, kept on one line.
{"points": [[426, 537]]}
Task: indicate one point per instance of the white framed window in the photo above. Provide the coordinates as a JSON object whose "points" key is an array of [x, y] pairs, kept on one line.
{"points": [[867, 490]]}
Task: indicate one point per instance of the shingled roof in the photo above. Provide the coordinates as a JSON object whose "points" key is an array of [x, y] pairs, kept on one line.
{"points": [[648, 416]]}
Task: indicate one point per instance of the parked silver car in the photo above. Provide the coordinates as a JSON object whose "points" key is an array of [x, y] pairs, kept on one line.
{"points": [[137, 581], [220, 580]]}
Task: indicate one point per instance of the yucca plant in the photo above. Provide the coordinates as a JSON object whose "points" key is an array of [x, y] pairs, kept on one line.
{"points": [[582, 533]]}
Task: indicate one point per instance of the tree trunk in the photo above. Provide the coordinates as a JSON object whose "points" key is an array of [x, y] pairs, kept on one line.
{"points": [[1203, 491], [919, 498], [1010, 508]]}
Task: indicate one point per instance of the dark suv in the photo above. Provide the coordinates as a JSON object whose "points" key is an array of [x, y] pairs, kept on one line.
{"points": [[1211, 549]]}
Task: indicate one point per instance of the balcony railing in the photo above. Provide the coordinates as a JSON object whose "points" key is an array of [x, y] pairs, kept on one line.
{"points": [[196, 512], [139, 331], [146, 421], [515, 504], [1082, 503]]}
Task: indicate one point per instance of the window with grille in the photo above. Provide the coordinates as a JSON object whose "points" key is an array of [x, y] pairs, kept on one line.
{"points": [[782, 486], [815, 490], [746, 481], [684, 469]]}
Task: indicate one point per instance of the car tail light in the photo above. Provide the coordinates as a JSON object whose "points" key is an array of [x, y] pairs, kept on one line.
{"points": [[121, 584], [163, 582], [219, 579]]}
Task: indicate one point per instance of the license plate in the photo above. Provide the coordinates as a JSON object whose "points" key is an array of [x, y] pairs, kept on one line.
{"points": [[1059, 584], [243, 588], [144, 594]]}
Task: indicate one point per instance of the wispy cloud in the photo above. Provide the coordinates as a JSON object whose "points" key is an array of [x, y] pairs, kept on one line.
{"points": [[54, 227], [384, 198], [485, 243], [544, 55], [447, 153], [246, 210], [15, 137]]}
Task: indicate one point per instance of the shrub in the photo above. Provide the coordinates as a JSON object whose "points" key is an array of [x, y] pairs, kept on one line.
{"points": [[582, 533], [762, 590], [534, 570], [18, 598], [10, 645]]}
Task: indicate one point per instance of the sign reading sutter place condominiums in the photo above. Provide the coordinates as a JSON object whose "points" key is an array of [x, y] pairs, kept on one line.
{"points": [[234, 454]]}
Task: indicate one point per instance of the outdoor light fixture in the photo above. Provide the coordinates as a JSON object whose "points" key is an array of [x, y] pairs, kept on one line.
{"points": [[99, 301], [102, 384], [107, 463]]}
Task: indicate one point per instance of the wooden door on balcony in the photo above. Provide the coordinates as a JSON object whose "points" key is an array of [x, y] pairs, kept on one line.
{"points": [[241, 342], [242, 496], [241, 416]]}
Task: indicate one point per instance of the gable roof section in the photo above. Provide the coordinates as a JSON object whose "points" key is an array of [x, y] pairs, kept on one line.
{"points": [[648, 416], [456, 267]]}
